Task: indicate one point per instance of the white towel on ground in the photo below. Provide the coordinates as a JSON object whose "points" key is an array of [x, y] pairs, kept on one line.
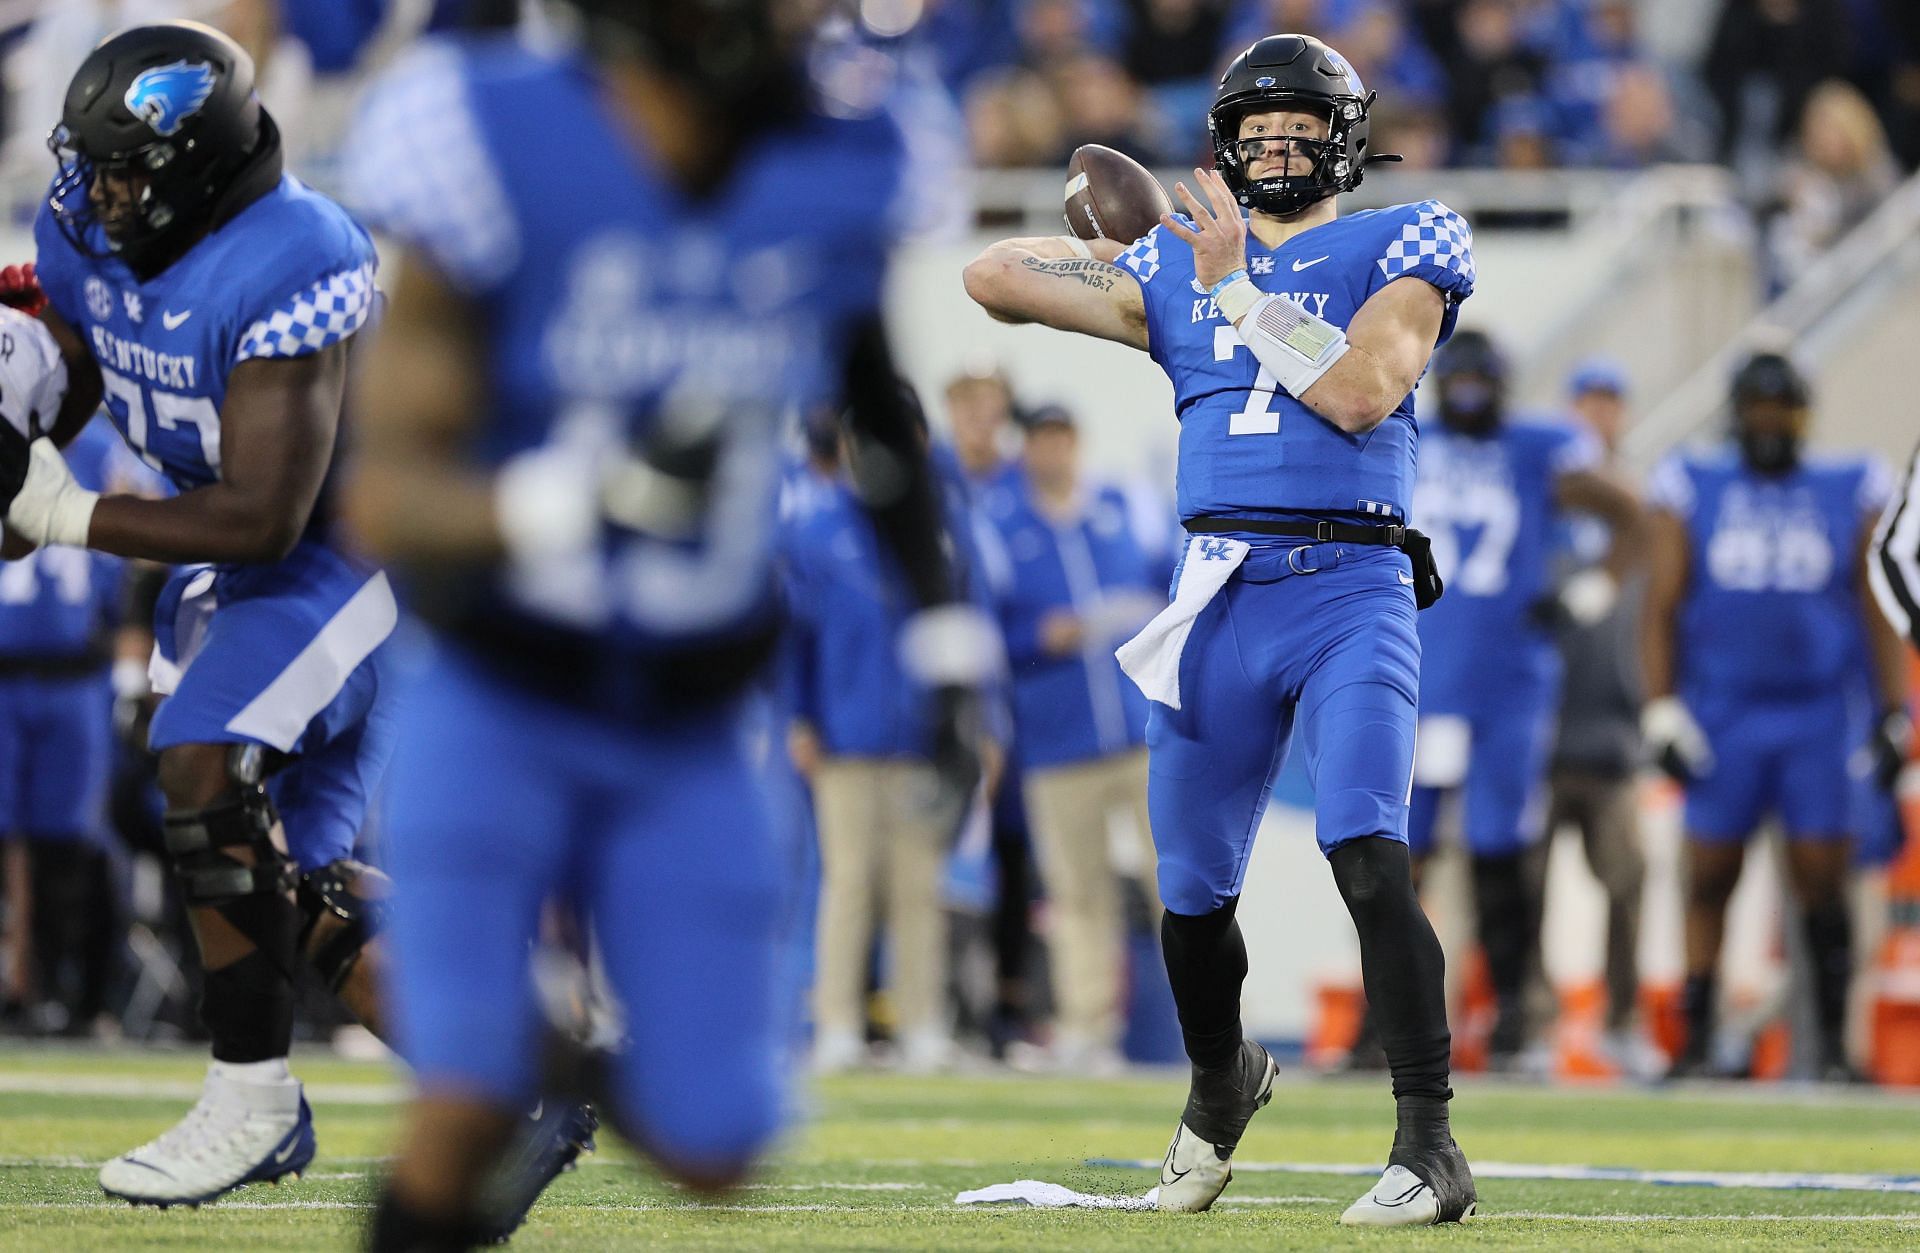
{"points": [[1051, 1196], [1152, 658]]}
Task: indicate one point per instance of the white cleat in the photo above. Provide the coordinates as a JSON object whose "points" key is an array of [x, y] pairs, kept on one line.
{"points": [[239, 1133], [1400, 1199], [1195, 1171], [1193, 1174]]}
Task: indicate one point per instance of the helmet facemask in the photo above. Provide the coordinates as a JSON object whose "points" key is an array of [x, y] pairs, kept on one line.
{"points": [[142, 173], [1331, 165]]}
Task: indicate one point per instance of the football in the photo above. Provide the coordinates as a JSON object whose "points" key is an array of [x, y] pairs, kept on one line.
{"points": [[1112, 196]]}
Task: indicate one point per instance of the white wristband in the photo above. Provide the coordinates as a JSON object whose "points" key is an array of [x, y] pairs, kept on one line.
{"points": [[71, 518], [545, 502], [1078, 245], [1296, 347], [1236, 297]]}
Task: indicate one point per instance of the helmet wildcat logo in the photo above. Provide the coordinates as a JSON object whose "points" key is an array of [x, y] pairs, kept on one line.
{"points": [[167, 95]]}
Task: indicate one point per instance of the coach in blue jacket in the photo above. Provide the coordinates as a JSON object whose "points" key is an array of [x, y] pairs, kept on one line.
{"points": [[860, 737], [1076, 583]]}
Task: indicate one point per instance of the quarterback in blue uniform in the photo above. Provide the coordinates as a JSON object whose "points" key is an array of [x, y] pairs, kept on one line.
{"points": [[626, 258], [1493, 494], [210, 298], [1757, 611], [1293, 338]]}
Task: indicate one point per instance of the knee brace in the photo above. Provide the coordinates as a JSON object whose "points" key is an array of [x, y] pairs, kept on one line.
{"points": [[243, 818], [344, 904]]}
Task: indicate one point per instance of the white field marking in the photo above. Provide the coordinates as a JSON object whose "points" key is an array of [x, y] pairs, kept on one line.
{"points": [[187, 1090], [883, 1186], [1543, 1216], [1279, 1200], [1780, 1181]]}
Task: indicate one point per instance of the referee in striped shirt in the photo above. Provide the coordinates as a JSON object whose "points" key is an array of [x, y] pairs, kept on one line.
{"points": [[1894, 570]]}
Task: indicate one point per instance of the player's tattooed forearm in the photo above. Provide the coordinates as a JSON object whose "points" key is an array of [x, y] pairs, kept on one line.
{"points": [[1098, 275]]}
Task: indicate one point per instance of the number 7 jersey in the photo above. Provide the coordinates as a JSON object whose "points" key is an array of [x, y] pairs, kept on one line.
{"points": [[288, 275], [1246, 446]]}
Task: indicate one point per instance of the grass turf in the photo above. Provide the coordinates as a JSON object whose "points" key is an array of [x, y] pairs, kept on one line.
{"points": [[879, 1159]]}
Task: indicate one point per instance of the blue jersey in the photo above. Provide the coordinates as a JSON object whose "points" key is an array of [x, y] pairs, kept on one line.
{"points": [[1245, 445], [59, 602], [1488, 503], [288, 275], [1772, 609], [612, 296]]}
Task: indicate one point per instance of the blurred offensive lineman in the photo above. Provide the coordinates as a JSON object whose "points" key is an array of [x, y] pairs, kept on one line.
{"points": [[211, 298], [1491, 491], [1293, 355], [1758, 609], [623, 262]]}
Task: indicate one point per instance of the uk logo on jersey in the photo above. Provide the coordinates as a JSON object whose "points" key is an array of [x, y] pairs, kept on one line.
{"points": [[1215, 550], [167, 95]]}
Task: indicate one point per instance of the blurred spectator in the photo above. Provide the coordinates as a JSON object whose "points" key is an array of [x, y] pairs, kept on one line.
{"points": [[1099, 104], [1640, 125], [1839, 172], [1077, 584], [1174, 40], [1522, 134], [1419, 135], [1492, 63], [980, 417], [1597, 752], [1765, 59]]}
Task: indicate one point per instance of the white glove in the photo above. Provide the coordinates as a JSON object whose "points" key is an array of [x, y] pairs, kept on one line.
{"points": [[1676, 741], [51, 508], [546, 502], [1588, 596]]}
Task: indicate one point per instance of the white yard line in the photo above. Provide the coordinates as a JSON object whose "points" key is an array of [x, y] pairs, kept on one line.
{"points": [[1787, 1181], [185, 1090]]}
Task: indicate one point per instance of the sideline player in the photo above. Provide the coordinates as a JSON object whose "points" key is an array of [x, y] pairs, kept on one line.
{"points": [[1293, 355], [210, 297], [1492, 493], [622, 260], [1757, 609]]}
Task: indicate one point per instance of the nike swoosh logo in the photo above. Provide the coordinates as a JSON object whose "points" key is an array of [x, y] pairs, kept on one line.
{"points": [[1301, 265], [1405, 579], [286, 1152], [173, 320], [1166, 1167]]}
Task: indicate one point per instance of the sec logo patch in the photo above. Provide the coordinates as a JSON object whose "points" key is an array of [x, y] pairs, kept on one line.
{"points": [[99, 299]]}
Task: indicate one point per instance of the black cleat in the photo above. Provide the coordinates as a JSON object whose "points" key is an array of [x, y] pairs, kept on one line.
{"points": [[546, 1145]]}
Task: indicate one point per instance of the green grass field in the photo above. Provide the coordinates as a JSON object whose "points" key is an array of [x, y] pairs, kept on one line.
{"points": [[878, 1162]]}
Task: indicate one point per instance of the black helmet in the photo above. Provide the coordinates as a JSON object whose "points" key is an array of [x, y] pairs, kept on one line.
{"points": [[1471, 373], [1769, 376], [173, 106], [1293, 70]]}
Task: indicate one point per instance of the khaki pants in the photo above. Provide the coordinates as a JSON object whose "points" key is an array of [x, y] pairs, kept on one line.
{"points": [[879, 856], [1605, 810], [1068, 808]]}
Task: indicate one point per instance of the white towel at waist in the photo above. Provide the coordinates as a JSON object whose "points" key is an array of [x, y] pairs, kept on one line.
{"points": [[1152, 658]]}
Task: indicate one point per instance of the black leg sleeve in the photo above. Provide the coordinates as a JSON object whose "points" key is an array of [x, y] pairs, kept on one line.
{"points": [[1829, 930], [247, 1006], [1206, 964], [1402, 966], [1509, 925]]}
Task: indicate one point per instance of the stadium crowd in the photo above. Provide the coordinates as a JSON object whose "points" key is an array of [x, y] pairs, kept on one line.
{"points": [[1068, 566]]}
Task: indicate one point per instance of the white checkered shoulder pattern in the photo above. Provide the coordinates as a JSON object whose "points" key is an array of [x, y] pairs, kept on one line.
{"points": [[416, 166], [1143, 255], [324, 314], [1436, 237]]}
